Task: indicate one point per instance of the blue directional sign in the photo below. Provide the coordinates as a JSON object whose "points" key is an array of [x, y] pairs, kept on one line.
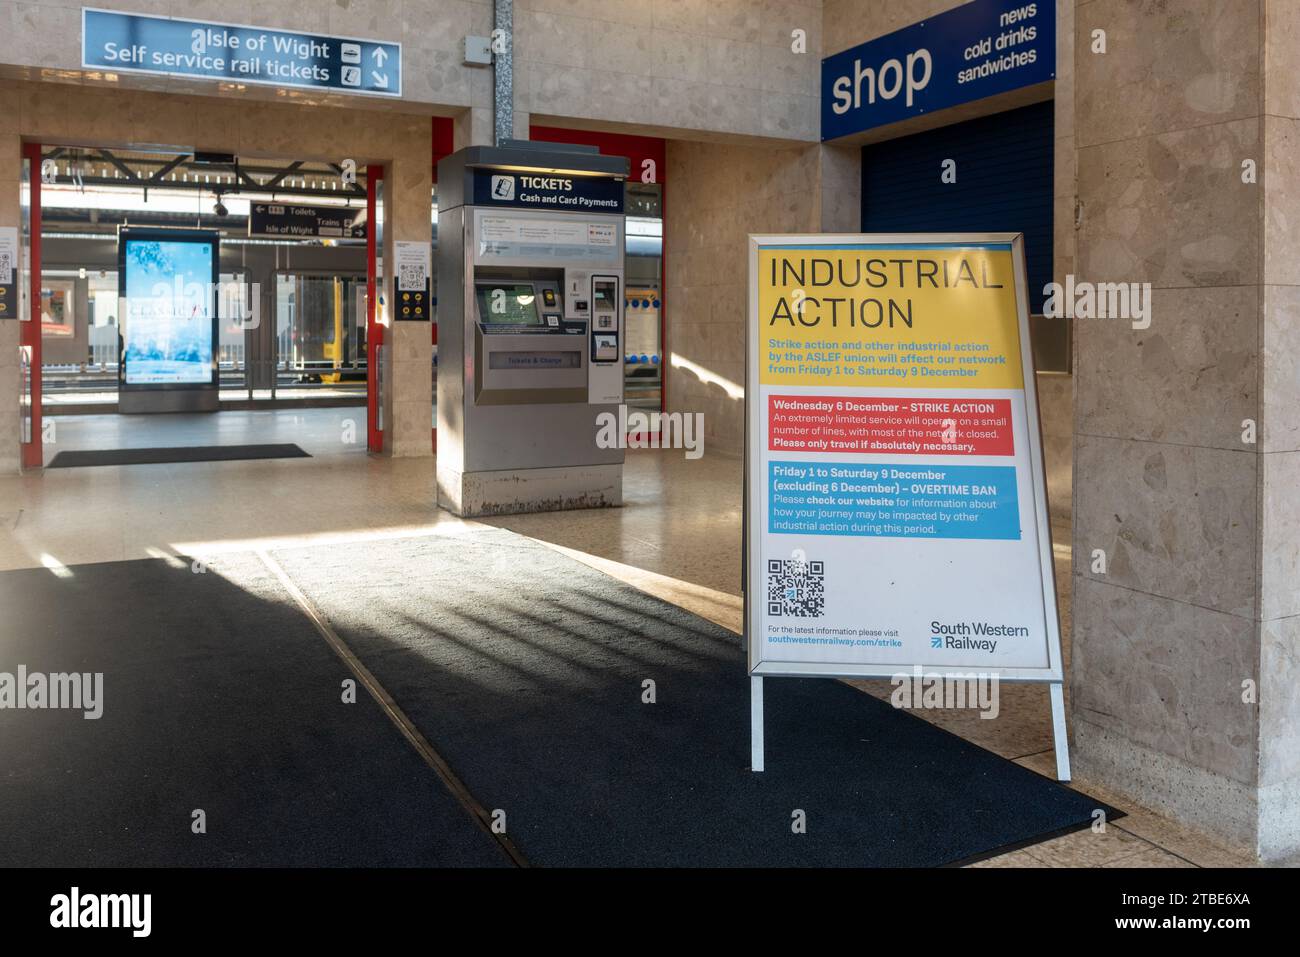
{"points": [[134, 43]]}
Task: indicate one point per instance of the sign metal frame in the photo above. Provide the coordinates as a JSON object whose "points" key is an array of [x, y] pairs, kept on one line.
{"points": [[1053, 674]]}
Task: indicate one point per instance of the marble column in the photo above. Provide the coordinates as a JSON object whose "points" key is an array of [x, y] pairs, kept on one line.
{"points": [[11, 216], [1186, 633], [408, 346]]}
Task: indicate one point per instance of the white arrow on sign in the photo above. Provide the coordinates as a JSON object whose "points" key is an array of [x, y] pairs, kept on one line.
{"points": [[381, 79], [379, 54]]}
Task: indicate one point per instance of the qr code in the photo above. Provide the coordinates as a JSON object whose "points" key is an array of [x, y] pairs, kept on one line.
{"points": [[411, 277], [6, 269], [796, 588]]}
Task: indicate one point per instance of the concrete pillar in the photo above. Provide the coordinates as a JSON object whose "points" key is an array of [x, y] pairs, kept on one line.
{"points": [[408, 346], [718, 193], [1186, 648], [473, 127], [10, 215], [503, 68], [839, 172], [1056, 391], [10, 391]]}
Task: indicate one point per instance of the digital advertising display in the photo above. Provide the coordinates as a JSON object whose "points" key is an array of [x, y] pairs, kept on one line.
{"points": [[167, 284]]}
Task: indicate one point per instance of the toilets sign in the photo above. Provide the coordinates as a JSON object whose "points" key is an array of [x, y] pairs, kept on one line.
{"points": [[973, 51], [164, 46]]}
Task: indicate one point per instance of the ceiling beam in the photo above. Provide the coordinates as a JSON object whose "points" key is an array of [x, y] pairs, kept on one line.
{"points": [[125, 170], [168, 167]]}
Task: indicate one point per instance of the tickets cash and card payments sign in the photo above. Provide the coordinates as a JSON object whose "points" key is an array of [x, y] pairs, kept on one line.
{"points": [[896, 511]]}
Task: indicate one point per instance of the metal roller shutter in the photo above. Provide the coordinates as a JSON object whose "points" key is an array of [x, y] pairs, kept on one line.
{"points": [[1004, 184]]}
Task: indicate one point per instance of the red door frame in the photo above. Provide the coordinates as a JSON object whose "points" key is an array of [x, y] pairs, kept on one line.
{"points": [[33, 455], [374, 330], [30, 332], [637, 149], [444, 144]]}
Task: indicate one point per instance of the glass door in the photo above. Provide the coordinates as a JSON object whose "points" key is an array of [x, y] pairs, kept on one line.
{"points": [[643, 293], [320, 334], [237, 312]]}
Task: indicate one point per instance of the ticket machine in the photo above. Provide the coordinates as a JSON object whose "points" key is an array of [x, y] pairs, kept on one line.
{"points": [[530, 328]]}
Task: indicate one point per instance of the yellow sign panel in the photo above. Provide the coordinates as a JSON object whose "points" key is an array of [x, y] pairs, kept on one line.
{"points": [[941, 317]]}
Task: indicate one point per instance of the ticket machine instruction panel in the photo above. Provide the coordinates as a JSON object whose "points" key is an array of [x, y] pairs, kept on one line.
{"points": [[543, 274]]}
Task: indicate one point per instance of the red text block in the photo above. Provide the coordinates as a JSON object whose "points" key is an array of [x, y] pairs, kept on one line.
{"points": [[911, 426]]}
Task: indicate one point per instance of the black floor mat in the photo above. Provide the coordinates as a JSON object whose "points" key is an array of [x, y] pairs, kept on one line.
{"points": [[527, 672], [217, 697], [526, 669], [188, 453]]}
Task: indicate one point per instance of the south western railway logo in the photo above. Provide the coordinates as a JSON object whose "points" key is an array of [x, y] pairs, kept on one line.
{"points": [[972, 635]]}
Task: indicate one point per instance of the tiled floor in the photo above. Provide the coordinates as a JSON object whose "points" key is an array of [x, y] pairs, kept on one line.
{"points": [[678, 537]]}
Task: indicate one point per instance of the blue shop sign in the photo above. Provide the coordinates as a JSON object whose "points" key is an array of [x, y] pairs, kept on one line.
{"points": [[973, 51]]}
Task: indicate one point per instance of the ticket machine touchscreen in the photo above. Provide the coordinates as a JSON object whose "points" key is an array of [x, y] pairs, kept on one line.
{"points": [[509, 306]]}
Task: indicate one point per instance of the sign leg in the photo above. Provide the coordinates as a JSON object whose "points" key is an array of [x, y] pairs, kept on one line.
{"points": [[755, 723], [1060, 741]]}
